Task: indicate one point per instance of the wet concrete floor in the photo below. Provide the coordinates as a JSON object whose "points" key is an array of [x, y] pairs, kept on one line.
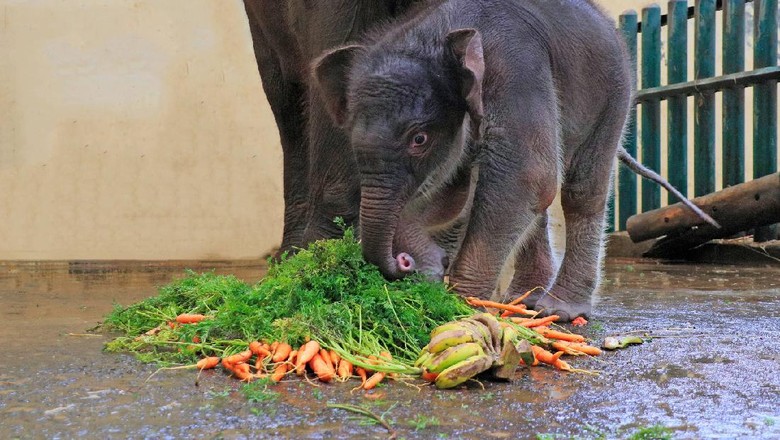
{"points": [[712, 372]]}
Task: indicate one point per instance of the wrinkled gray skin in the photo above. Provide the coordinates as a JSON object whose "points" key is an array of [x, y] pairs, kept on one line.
{"points": [[320, 175], [465, 120]]}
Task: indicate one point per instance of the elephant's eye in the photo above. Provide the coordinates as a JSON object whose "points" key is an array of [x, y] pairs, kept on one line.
{"points": [[419, 140]]}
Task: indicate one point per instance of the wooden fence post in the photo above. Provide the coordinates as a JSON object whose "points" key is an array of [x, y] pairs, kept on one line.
{"points": [[733, 97], [704, 103], [651, 110], [677, 115], [627, 180]]}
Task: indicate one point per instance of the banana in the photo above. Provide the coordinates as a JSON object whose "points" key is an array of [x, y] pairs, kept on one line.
{"points": [[463, 371], [504, 367], [491, 323], [449, 338], [452, 356], [481, 331], [452, 325]]}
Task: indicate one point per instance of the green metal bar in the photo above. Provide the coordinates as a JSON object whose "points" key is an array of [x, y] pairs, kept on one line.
{"points": [[677, 115], [733, 97], [735, 80], [704, 102], [765, 94], [627, 180], [651, 110], [765, 101]]}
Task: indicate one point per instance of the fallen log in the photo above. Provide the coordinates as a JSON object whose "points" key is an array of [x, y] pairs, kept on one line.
{"points": [[737, 208]]}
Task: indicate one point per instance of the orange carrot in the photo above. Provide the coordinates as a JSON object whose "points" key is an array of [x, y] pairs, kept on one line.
{"points": [[335, 358], [576, 348], [207, 363], [548, 358], [579, 322], [508, 313], [292, 356], [323, 370], [535, 322], [561, 336], [520, 298], [345, 369], [280, 371], [476, 302], [362, 373], [305, 354], [373, 380], [325, 355], [257, 348], [274, 345], [428, 376], [190, 318], [242, 372], [237, 358], [282, 352]]}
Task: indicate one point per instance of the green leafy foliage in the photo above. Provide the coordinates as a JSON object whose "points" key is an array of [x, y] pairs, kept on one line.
{"points": [[655, 432], [326, 292]]}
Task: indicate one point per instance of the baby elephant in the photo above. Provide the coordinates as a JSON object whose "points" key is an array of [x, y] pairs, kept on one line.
{"points": [[465, 119]]}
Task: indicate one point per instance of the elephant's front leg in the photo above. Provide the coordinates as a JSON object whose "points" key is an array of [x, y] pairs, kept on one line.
{"points": [[513, 189]]}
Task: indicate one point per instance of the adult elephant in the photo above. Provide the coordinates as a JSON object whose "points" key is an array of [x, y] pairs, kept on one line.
{"points": [[320, 176]]}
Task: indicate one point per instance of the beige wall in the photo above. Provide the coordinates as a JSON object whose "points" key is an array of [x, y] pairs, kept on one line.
{"points": [[134, 130]]}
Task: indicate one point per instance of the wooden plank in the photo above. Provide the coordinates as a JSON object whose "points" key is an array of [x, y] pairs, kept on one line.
{"points": [[651, 109], [737, 208], [704, 101], [627, 180], [739, 80], [677, 114]]}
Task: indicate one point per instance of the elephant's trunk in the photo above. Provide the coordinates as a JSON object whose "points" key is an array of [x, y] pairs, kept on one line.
{"points": [[380, 210]]}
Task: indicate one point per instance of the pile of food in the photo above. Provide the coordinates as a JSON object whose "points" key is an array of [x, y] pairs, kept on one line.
{"points": [[327, 311]]}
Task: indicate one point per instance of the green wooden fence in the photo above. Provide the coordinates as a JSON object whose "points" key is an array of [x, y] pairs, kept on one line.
{"points": [[703, 87]]}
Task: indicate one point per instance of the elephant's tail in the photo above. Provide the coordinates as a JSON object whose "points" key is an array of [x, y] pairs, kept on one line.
{"points": [[649, 174]]}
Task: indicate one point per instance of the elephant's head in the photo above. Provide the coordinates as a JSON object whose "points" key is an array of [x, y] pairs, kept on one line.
{"points": [[408, 110]]}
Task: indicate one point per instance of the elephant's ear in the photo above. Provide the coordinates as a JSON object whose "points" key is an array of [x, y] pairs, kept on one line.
{"points": [[330, 73], [466, 45]]}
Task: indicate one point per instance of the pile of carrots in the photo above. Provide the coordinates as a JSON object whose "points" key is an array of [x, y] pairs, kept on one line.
{"points": [[278, 359]]}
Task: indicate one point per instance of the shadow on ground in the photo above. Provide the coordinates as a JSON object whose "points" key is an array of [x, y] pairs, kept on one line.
{"points": [[712, 372]]}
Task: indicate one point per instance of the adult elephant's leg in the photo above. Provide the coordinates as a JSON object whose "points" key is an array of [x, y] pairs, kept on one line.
{"points": [[334, 183], [279, 64]]}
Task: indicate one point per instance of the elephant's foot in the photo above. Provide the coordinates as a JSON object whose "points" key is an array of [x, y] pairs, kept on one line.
{"points": [[564, 303]]}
